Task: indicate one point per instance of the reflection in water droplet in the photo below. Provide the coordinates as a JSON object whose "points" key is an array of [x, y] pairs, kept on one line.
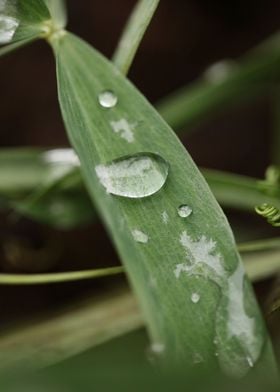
{"points": [[8, 26], [139, 236], [134, 176], [184, 211], [107, 99], [195, 297]]}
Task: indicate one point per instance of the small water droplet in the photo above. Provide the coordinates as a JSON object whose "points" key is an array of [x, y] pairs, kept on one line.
{"points": [[8, 26], [195, 297], [139, 236], [184, 211], [134, 176], [107, 99]]}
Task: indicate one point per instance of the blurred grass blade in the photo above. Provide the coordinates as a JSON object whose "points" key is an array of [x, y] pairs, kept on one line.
{"points": [[58, 12], [133, 33], [28, 170], [259, 245], [71, 330], [57, 277], [119, 148], [236, 191], [14, 46], [253, 75]]}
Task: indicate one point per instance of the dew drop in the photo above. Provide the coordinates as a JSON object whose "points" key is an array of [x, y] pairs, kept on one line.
{"points": [[139, 236], [8, 26], [195, 297], [134, 176], [184, 211], [107, 99]]}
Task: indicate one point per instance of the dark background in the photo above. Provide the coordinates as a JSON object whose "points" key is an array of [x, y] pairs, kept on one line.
{"points": [[185, 37]]}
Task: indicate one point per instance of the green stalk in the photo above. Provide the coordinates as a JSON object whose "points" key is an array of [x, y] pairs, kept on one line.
{"points": [[133, 34], [47, 278]]}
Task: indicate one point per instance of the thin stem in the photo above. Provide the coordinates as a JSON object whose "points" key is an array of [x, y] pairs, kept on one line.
{"points": [[133, 33], [259, 245], [31, 279]]}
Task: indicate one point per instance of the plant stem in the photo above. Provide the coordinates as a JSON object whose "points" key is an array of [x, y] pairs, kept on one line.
{"points": [[46, 278], [133, 33]]}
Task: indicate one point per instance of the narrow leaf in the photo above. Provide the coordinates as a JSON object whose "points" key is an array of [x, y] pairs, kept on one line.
{"points": [[133, 33], [57, 277], [176, 245]]}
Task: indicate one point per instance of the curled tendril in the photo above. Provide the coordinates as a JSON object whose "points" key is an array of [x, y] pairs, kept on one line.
{"points": [[271, 213]]}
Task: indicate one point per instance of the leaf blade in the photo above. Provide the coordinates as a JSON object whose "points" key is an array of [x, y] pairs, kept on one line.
{"points": [[96, 142]]}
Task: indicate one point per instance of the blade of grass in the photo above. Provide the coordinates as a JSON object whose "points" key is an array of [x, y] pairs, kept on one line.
{"points": [[55, 277], [58, 12], [235, 191], [254, 74], [71, 330], [133, 34], [82, 75], [259, 245], [7, 49]]}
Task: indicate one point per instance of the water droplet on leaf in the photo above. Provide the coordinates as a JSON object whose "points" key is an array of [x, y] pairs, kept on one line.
{"points": [[195, 297], [139, 236], [184, 211], [134, 176], [8, 26], [107, 99]]}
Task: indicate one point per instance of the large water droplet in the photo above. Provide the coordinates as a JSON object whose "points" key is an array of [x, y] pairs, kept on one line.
{"points": [[134, 176], [107, 99], [139, 236], [8, 26], [184, 211], [195, 297]]}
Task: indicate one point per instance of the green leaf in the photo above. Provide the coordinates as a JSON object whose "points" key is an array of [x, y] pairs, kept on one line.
{"points": [[169, 259]]}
